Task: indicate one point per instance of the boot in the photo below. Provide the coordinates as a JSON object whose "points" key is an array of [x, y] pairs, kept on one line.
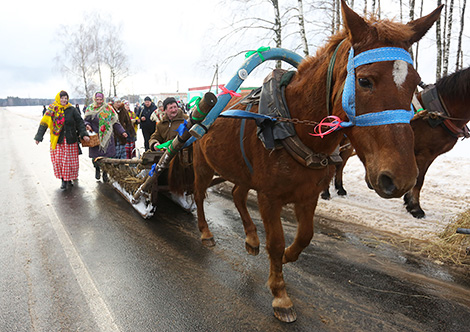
{"points": [[105, 177], [70, 183], [97, 172], [63, 186]]}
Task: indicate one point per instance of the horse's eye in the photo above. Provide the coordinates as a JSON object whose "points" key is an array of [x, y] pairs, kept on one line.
{"points": [[365, 83]]}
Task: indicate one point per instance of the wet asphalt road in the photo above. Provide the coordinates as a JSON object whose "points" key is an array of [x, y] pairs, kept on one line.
{"points": [[84, 260]]}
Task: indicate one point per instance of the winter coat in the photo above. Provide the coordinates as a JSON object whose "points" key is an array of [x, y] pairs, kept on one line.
{"points": [[148, 124], [166, 129], [72, 129], [126, 123], [111, 150]]}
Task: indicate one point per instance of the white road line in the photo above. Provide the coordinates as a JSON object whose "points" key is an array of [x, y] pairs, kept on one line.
{"points": [[101, 313]]}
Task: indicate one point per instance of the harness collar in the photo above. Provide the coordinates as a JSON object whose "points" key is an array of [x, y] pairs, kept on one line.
{"points": [[349, 92]]}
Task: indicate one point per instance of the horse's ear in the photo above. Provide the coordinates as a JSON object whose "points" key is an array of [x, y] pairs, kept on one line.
{"points": [[422, 25], [355, 24]]}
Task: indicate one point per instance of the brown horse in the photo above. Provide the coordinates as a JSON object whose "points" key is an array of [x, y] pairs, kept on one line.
{"points": [[437, 130], [386, 151]]}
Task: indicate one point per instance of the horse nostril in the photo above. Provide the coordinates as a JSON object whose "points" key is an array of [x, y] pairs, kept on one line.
{"points": [[387, 185]]}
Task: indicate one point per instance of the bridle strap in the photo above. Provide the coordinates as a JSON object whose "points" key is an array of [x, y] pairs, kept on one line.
{"points": [[349, 93]]}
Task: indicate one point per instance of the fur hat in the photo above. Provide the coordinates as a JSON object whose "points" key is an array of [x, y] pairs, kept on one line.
{"points": [[147, 99], [167, 101]]}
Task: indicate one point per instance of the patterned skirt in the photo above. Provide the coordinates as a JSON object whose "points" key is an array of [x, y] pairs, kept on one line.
{"points": [[130, 150], [65, 161], [120, 151]]}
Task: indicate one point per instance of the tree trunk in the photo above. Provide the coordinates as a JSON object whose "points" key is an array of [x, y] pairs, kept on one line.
{"points": [[401, 11], [458, 64], [277, 28], [412, 15], [303, 36], [445, 65], [417, 43], [439, 46]]}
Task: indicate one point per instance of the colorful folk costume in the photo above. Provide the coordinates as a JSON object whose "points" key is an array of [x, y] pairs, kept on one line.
{"points": [[131, 130], [103, 120], [64, 123]]}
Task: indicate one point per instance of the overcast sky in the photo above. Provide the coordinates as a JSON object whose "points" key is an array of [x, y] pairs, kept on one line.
{"points": [[166, 42]]}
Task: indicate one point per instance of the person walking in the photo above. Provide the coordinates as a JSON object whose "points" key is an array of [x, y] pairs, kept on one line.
{"points": [[64, 122], [123, 143], [146, 123], [130, 144], [103, 120]]}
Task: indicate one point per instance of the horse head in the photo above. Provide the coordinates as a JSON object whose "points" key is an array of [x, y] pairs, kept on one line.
{"points": [[376, 100]]}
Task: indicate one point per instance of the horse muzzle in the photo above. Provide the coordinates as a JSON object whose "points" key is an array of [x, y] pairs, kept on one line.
{"points": [[389, 185]]}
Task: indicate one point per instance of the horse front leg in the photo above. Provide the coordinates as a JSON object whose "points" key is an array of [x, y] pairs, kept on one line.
{"points": [[304, 213], [275, 243], [240, 195]]}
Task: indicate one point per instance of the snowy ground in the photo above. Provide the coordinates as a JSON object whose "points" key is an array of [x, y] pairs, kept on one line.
{"points": [[445, 194]]}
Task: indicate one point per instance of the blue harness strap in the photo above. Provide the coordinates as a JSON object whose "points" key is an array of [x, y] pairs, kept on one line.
{"points": [[349, 93], [242, 146]]}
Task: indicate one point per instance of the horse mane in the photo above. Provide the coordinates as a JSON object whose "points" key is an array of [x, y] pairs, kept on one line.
{"points": [[385, 30], [456, 85]]}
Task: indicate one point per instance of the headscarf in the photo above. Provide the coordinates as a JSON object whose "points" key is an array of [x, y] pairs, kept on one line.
{"points": [[107, 117], [54, 119]]}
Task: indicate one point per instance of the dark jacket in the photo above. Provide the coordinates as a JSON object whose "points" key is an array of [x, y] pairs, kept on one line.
{"points": [[73, 127], [126, 123], [147, 125]]}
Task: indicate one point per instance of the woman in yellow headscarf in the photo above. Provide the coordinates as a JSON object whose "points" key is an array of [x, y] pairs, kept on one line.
{"points": [[65, 124]]}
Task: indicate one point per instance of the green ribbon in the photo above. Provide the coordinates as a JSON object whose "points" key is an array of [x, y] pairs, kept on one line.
{"points": [[259, 50], [196, 100], [164, 145]]}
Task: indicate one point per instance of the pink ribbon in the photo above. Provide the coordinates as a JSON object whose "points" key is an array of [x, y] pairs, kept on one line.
{"points": [[333, 123], [227, 91]]}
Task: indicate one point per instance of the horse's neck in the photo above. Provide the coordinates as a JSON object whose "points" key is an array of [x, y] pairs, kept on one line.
{"points": [[307, 103]]}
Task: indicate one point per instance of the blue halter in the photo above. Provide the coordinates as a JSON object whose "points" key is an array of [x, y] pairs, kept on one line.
{"points": [[349, 93]]}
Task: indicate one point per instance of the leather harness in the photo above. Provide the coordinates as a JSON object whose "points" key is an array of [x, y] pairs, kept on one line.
{"points": [[436, 113], [276, 135]]}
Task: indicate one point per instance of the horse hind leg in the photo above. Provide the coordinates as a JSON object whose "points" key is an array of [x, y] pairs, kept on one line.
{"points": [[240, 195], [203, 175], [325, 194]]}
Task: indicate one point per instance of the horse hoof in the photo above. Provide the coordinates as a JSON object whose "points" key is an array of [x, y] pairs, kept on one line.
{"points": [[325, 196], [342, 192], [286, 315], [251, 250], [418, 214], [210, 242]]}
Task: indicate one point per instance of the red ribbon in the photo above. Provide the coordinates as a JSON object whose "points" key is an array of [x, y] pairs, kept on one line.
{"points": [[334, 123], [227, 91]]}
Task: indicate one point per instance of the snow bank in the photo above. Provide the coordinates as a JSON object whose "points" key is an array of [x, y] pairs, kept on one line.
{"points": [[444, 195]]}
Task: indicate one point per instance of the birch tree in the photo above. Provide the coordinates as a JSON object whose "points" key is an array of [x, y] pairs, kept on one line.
{"points": [[303, 35], [459, 57], [77, 58], [439, 46], [449, 19]]}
